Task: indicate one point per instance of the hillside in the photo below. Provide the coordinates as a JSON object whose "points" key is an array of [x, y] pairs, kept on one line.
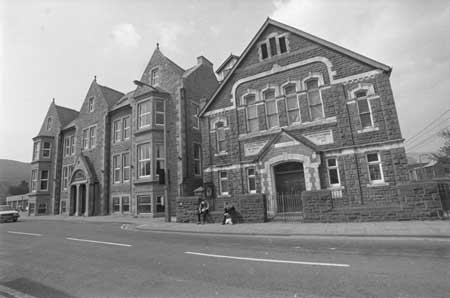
{"points": [[12, 173]]}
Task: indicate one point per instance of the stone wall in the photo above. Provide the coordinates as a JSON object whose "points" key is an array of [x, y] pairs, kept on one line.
{"points": [[249, 208], [412, 201]]}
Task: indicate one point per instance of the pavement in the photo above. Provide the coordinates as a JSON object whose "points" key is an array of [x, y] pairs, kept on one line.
{"points": [[421, 229]]}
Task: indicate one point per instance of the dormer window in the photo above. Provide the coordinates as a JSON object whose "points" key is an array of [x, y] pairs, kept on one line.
{"points": [[154, 76], [91, 104], [49, 123], [273, 46]]}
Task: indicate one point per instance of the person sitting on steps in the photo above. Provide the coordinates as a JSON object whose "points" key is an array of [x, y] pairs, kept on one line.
{"points": [[203, 209]]}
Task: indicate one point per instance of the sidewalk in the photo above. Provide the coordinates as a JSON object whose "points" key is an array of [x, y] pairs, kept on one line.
{"points": [[434, 229]]}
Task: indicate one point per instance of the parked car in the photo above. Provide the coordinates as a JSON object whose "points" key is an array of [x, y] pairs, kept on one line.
{"points": [[7, 213]]}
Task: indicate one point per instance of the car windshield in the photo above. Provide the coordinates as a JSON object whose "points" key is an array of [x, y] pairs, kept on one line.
{"points": [[5, 208]]}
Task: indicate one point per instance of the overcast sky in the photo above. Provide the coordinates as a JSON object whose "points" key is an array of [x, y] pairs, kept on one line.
{"points": [[53, 48]]}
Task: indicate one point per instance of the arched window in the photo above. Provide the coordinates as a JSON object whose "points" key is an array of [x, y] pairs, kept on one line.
{"points": [[49, 123], [292, 103], [271, 108], [220, 137], [314, 99]]}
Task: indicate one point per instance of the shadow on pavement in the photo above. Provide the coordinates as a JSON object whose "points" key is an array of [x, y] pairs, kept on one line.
{"points": [[35, 289]]}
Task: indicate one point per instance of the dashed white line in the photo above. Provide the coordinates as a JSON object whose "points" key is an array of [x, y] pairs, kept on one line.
{"points": [[268, 260], [23, 233], [100, 242]]}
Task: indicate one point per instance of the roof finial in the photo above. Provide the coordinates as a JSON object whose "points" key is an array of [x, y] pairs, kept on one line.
{"points": [[157, 45], [95, 78], [53, 100]]}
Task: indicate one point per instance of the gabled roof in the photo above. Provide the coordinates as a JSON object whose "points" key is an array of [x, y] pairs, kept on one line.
{"points": [[226, 62], [111, 96], [303, 34], [65, 115]]}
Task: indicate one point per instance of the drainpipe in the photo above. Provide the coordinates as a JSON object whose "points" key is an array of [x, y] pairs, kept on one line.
{"points": [[353, 142]]}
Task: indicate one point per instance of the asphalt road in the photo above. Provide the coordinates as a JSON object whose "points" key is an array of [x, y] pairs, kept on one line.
{"points": [[70, 259]]}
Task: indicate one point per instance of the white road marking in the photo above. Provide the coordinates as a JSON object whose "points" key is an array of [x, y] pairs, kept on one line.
{"points": [[22, 233], [14, 293], [268, 260], [101, 242]]}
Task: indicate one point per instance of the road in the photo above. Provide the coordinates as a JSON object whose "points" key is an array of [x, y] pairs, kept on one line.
{"points": [[71, 259]]}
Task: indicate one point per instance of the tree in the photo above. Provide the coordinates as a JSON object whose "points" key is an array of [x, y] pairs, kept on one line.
{"points": [[443, 155], [19, 189]]}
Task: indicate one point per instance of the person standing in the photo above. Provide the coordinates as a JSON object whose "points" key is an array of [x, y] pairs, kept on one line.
{"points": [[203, 209]]}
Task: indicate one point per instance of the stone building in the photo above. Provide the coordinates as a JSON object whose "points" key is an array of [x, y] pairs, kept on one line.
{"points": [[111, 156], [297, 113]]}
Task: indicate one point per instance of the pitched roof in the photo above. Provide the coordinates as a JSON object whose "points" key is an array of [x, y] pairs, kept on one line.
{"points": [[66, 115], [226, 62], [111, 96], [303, 34]]}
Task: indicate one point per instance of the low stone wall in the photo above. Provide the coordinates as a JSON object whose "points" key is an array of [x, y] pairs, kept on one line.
{"points": [[413, 201], [249, 208]]}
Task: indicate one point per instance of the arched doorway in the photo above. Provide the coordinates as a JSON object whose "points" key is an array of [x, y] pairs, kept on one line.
{"points": [[289, 183]]}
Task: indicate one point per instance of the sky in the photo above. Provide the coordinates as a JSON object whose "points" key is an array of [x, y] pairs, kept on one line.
{"points": [[53, 49]]}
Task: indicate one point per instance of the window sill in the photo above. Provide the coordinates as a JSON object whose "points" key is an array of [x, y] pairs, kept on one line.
{"points": [[148, 129], [336, 187], [221, 154], [376, 184], [368, 129], [144, 180], [224, 196]]}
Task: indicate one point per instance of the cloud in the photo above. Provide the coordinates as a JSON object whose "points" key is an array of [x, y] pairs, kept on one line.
{"points": [[125, 36]]}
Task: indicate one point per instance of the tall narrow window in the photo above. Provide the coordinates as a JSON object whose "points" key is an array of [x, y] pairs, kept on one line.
{"points": [[125, 204], [375, 170], [251, 180], [333, 171], [144, 160], [314, 100], [223, 182], [282, 42], [159, 204], [49, 123], [264, 52], [195, 120], [363, 108], [160, 157], [85, 139], [154, 76], [273, 46], [65, 176], [34, 180], [72, 145], [92, 137], [46, 150], [271, 108], [252, 113], [144, 114], [292, 104], [197, 159], [116, 169], [44, 180], [144, 204], [159, 112], [126, 167], [116, 204], [91, 104], [66, 146], [116, 130], [220, 136], [126, 128], [36, 148]]}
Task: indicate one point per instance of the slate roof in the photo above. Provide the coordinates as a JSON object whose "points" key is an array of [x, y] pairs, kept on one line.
{"points": [[226, 62], [111, 96], [66, 115]]}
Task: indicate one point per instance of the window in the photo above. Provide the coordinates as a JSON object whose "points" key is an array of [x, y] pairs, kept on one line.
{"points": [[144, 204], [160, 157], [363, 108], [126, 128], [273, 46], [144, 114], [116, 204], [154, 76], [220, 135], [116, 169], [251, 180], [292, 104], [333, 171], [92, 133], [66, 146], [159, 204], [42, 208], [44, 180], [271, 108], [65, 176], [49, 123], [72, 145], [264, 53], [34, 179], [63, 206], [195, 120], [85, 139], [375, 170], [282, 43], [91, 104], [126, 167], [144, 160], [46, 150], [159, 112], [116, 131], [314, 100], [36, 148], [223, 182], [252, 113], [197, 159], [125, 204]]}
